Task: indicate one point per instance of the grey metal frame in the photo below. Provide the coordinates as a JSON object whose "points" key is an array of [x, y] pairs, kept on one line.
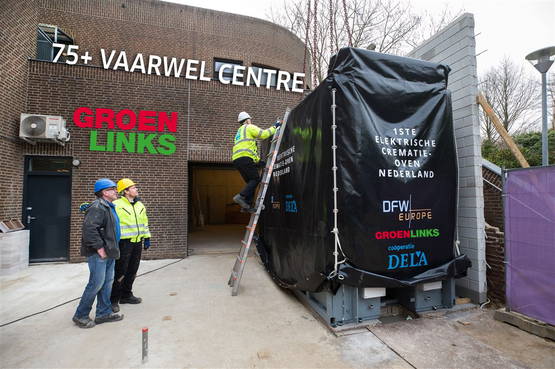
{"points": [[347, 305]]}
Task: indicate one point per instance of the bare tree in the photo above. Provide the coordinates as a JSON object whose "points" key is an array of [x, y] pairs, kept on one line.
{"points": [[432, 23], [514, 97], [388, 26]]}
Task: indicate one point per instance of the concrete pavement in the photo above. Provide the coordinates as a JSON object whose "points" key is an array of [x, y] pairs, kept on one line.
{"points": [[194, 322]]}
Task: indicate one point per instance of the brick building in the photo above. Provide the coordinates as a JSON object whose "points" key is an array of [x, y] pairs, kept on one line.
{"points": [[495, 227], [493, 189], [173, 136]]}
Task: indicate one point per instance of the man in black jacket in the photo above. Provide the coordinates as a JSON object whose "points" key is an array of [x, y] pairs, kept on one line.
{"points": [[99, 243]]}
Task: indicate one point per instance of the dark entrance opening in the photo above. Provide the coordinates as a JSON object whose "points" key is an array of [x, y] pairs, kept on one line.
{"points": [[215, 222], [47, 207]]}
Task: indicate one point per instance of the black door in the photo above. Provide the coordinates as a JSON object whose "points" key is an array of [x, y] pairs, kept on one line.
{"points": [[47, 207]]}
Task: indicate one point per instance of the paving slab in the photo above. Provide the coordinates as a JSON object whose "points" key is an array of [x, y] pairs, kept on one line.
{"points": [[43, 286], [194, 321], [216, 239], [192, 318], [466, 339], [527, 348]]}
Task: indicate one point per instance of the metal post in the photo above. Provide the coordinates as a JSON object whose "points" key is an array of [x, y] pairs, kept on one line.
{"points": [[545, 155], [542, 60], [145, 345]]}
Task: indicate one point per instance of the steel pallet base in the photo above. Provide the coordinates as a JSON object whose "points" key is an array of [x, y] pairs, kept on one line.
{"points": [[354, 306]]}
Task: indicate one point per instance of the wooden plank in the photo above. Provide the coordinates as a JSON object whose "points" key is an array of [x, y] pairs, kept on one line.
{"points": [[526, 323], [502, 131], [462, 300]]}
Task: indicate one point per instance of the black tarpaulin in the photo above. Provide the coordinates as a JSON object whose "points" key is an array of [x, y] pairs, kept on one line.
{"points": [[396, 175]]}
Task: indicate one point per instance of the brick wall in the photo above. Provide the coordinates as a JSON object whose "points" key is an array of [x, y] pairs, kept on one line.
{"points": [[167, 29], [493, 205], [495, 257], [18, 23], [455, 46], [207, 111], [495, 225]]}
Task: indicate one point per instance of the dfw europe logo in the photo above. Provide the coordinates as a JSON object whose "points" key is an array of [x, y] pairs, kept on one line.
{"points": [[404, 210]]}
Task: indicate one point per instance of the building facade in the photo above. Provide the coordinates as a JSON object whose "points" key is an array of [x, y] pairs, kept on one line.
{"points": [[154, 118]]}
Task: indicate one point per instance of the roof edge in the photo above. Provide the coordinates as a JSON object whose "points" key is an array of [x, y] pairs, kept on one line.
{"points": [[494, 168], [265, 21]]}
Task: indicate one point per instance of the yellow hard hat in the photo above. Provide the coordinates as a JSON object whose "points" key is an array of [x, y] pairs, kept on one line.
{"points": [[124, 183]]}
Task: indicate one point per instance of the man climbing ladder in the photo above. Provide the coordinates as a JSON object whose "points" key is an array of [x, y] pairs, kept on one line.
{"points": [[245, 157], [237, 272]]}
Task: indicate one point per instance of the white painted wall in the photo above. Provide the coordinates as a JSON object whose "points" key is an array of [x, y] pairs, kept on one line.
{"points": [[455, 46], [14, 252]]}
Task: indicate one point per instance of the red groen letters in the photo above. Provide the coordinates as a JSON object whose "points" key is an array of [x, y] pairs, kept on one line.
{"points": [[125, 119]]}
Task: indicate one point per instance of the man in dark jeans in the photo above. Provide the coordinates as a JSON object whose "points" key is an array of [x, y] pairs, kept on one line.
{"points": [[245, 156], [99, 243], [134, 232]]}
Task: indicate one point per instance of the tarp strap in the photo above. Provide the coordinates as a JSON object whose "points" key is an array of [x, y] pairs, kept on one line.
{"points": [[335, 230]]}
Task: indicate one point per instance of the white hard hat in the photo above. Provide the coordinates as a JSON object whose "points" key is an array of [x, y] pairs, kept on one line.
{"points": [[242, 116]]}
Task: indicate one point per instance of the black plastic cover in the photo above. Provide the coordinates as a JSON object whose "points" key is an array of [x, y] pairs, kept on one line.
{"points": [[396, 175]]}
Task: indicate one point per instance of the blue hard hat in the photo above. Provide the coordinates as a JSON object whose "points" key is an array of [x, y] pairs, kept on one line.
{"points": [[102, 184]]}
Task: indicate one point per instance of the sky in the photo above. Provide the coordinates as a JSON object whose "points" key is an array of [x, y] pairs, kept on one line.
{"points": [[512, 28]]}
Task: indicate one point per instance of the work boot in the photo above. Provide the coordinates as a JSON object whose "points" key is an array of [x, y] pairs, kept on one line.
{"points": [[83, 322], [130, 300], [108, 318], [239, 199], [115, 307]]}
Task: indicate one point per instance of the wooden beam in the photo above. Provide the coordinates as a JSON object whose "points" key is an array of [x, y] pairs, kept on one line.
{"points": [[501, 130], [525, 323]]}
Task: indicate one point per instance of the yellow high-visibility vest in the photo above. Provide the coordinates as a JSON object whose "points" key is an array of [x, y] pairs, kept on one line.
{"points": [[132, 219], [245, 141]]}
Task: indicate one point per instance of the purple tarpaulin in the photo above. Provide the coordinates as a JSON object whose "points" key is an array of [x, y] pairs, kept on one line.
{"points": [[530, 242]]}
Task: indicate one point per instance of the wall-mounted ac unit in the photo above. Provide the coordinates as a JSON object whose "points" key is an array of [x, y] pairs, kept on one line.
{"points": [[35, 128]]}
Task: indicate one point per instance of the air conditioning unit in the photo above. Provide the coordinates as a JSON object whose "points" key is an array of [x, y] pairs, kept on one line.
{"points": [[35, 128]]}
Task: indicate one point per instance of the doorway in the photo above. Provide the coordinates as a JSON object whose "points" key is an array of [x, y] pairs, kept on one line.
{"points": [[47, 207], [216, 222]]}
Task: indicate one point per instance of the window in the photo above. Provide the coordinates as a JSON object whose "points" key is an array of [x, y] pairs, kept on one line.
{"points": [[228, 72], [264, 76], [49, 164], [46, 36]]}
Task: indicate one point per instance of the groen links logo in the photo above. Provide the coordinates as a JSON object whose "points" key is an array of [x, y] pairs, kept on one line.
{"points": [[123, 126]]}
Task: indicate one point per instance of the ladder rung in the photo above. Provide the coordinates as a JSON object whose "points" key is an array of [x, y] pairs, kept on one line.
{"points": [[235, 278]]}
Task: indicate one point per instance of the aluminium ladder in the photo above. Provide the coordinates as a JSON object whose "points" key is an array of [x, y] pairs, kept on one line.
{"points": [[237, 272]]}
